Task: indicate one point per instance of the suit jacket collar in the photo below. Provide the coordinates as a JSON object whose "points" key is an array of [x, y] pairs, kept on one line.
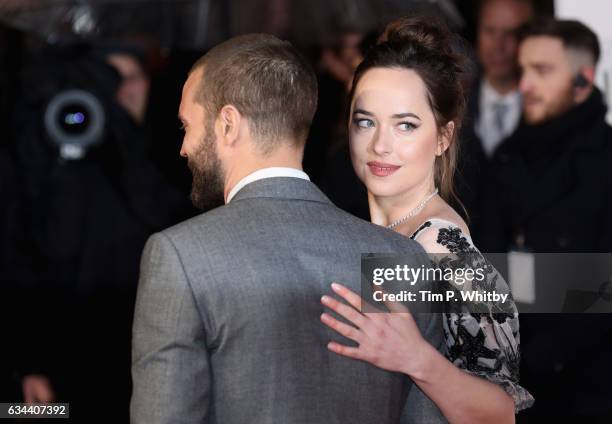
{"points": [[262, 173], [473, 101], [281, 188]]}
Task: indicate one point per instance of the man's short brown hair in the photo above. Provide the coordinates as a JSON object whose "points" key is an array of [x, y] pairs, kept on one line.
{"points": [[266, 80], [573, 34]]}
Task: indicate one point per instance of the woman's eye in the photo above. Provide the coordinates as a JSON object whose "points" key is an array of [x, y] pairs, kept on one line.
{"points": [[364, 123], [406, 126]]}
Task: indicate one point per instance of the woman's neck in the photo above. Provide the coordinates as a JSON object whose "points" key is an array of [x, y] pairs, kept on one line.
{"points": [[385, 210]]}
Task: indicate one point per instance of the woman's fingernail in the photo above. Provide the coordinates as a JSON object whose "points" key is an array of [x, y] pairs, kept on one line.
{"points": [[324, 299], [335, 286]]}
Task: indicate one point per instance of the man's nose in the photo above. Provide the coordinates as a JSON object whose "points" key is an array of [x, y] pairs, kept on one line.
{"points": [[499, 42], [524, 84]]}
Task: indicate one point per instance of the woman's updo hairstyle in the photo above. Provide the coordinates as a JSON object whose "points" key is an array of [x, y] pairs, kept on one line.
{"points": [[425, 45]]}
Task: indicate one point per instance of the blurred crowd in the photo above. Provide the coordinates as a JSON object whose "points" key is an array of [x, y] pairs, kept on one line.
{"points": [[533, 177]]}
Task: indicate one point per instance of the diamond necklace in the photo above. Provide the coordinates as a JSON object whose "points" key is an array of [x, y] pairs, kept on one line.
{"points": [[413, 212]]}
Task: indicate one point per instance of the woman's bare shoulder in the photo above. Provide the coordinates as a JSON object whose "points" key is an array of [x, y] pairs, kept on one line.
{"points": [[442, 211]]}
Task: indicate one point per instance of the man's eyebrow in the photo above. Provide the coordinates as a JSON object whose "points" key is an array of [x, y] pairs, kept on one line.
{"points": [[539, 65]]}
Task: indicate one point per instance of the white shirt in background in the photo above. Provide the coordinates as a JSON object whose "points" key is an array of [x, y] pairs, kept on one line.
{"points": [[499, 116]]}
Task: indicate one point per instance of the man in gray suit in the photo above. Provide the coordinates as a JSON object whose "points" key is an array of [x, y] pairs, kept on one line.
{"points": [[226, 327]]}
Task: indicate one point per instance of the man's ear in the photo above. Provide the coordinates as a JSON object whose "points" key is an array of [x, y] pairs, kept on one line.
{"points": [[445, 137], [227, 125], [583, 84]]}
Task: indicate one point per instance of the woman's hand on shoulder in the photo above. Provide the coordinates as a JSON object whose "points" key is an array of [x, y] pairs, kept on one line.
{"points": [[388, 340]]}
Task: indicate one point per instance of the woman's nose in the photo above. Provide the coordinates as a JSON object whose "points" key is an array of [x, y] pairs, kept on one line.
{"points": [[381, 145]]}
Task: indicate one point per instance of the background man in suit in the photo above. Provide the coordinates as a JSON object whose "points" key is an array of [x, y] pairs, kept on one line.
{"points": [[494, 104], [498, 105], [227, 323]]}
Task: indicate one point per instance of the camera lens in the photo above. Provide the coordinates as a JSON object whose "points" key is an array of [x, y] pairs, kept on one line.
{"points": [[73, 119]]}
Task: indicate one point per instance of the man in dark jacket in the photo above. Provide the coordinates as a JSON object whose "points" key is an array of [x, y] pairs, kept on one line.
{"points": [[552, 192], [552, 179], [20, 367]]}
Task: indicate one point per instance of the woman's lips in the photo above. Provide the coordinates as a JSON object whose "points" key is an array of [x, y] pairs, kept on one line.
{"points": [[382, 169]]}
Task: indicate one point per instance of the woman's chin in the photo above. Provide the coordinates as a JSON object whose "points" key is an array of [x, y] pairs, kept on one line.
{"points": [[381, 189]]}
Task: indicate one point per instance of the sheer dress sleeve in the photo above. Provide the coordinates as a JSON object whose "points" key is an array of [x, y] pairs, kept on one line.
{"points": [[486, 342]]}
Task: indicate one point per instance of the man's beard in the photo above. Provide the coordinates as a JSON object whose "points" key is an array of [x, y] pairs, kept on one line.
{"points": [[552, 109], [208, 175]]}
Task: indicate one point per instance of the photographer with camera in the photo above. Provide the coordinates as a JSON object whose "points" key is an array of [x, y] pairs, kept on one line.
{"points": [[90, 198]]}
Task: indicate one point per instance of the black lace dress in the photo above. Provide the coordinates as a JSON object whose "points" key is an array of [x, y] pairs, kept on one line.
{"points": [[483, 344]]}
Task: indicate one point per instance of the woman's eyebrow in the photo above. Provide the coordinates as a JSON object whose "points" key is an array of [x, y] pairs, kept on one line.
{"points": [[363, 112], [394, 116], [405, 115]]}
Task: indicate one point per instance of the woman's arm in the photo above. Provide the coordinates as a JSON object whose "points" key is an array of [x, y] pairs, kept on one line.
{"points": [[462, 397], [392, 341]]}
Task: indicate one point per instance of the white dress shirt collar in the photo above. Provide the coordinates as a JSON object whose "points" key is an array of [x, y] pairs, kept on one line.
{"points": [[260, 174]]}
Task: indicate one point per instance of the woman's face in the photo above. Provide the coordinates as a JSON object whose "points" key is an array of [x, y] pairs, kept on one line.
{"points": [[393, 133]]}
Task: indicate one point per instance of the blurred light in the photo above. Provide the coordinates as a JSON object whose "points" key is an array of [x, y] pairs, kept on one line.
{"points": [[74, 118]]}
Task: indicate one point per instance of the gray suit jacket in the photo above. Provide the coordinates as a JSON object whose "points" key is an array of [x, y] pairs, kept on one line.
{"points": [[227, 328]]}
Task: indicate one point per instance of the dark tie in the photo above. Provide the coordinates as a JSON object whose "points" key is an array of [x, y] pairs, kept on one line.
{"points": [[499, 112]]}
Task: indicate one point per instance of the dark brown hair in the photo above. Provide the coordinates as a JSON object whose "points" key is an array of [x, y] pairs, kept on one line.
{"points": [[425, 45], [484, 3], [266, 80], [573, 34]]}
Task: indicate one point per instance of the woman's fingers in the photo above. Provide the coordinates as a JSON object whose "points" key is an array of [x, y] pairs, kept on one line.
{"points": [[351, 352], [346, 330], [355, 300], [350, 296], [344, 310], [386, 339], [398, 310], [394, 306]]}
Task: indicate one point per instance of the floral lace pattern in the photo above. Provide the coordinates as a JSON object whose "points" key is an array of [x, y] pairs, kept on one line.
{"points": [[483, 344]]}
